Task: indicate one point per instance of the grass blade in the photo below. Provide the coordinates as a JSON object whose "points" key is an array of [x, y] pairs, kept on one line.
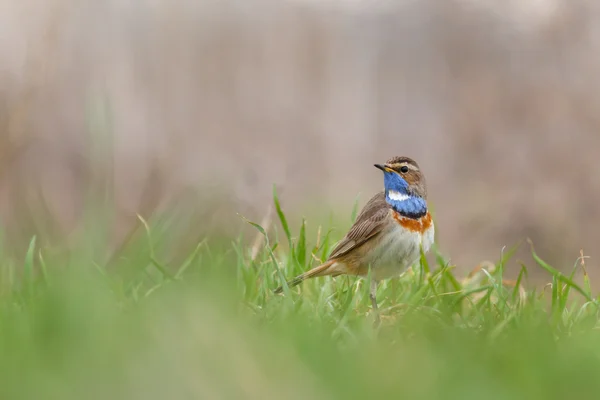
{"points": [[559, 276], [286, 289], [282, 218], [301, 246], [29, 267]]}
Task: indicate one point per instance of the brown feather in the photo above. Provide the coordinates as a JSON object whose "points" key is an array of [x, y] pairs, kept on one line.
{"points": [[369, 223], [321, 270]]}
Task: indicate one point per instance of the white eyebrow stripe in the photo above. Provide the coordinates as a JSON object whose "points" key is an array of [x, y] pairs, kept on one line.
{"points": [[405, 164], [394, 195], [410, 166]]}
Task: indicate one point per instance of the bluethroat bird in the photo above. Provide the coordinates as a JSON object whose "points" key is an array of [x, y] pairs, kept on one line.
{"points": [[389, 232]]}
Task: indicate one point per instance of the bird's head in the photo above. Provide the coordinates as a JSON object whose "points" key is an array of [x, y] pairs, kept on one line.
{"points": [[404, 183]]}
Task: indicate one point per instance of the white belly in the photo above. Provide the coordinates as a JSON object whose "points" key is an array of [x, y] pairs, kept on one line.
{"points": [[398, 249]]}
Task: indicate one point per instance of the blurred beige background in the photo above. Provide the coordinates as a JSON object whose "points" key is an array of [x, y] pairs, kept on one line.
{"points": [[498, 101]]}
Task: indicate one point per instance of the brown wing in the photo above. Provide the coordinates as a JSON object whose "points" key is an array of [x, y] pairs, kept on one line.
{"points": [[369, 223]]}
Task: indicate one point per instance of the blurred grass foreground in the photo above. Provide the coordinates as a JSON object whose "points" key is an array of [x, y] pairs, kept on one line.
{"points": [[116, 281], [141, 324]]}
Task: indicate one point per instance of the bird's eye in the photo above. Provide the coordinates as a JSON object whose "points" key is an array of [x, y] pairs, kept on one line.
{"points": [[404, 169]]}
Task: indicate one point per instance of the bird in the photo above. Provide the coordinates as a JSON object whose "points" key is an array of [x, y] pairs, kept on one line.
{"points": [[388, 234]]}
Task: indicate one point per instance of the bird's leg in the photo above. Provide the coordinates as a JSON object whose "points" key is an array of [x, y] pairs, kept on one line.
{"points": [[373, 296]]}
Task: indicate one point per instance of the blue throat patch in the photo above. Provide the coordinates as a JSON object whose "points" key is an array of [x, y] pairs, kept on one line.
{"points": [[411, 206]]}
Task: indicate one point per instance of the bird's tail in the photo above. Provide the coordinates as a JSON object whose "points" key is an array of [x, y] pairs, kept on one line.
{"points": [[321, 270]]}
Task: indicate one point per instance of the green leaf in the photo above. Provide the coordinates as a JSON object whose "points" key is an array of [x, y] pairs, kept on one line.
{"points": [[325, 245], [190, 259], [515, 292], [301, 246], [282, 218], [284, 284], [29, 267], [558, 275]]}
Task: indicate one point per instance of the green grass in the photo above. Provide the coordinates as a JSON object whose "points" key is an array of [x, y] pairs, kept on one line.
{"points": [[153, 323]]}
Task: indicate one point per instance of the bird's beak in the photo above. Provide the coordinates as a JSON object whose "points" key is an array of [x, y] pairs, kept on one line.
{"points": [[384, 168]]}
